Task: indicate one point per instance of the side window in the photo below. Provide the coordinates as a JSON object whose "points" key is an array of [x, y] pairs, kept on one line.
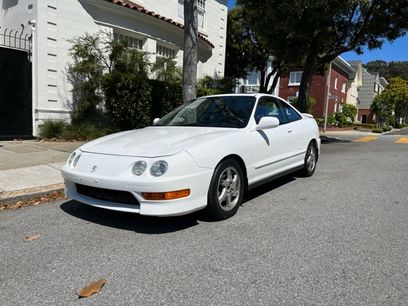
{"points": [[269, 107], [290, 113]]}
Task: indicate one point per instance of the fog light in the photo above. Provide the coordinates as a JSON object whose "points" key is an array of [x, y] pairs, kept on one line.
{"points": [[170, 195]]}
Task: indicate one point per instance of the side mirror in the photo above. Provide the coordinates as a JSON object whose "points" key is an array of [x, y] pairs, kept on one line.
{"points": [[267, 123], [155, 120]]}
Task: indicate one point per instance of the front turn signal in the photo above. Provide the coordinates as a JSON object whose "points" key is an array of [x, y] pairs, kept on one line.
{"points": [[170, 195]]}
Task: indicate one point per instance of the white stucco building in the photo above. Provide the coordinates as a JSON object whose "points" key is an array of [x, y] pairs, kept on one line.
{"points": [[155, 27]]}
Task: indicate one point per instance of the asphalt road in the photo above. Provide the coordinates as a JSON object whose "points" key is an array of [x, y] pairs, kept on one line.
{"points": [[337, 238], [400, 132]]}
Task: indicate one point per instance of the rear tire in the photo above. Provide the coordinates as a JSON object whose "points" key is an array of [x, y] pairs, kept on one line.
{"points": [[226, 190], [310, 160]]}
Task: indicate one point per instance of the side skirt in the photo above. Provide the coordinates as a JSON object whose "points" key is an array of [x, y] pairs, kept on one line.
{"points": [[274, 177]]}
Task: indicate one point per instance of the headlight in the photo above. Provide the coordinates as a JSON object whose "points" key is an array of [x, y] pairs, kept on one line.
{"points": [[71, 158], [159, 168], [139, 167], [76, 160]]}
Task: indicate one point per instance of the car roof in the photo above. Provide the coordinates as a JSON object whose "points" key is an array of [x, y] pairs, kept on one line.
{"points": [[241, 94]]}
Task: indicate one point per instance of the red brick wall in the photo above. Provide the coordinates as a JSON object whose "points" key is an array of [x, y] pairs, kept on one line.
{"points": [[369, 115], [318, 91]]}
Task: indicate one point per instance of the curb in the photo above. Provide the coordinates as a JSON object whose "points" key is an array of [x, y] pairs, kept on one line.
{"points": [[8, 198], [331, 139]]}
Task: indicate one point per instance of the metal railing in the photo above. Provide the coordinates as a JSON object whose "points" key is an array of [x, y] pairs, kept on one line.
{"points": [[15, 39]]}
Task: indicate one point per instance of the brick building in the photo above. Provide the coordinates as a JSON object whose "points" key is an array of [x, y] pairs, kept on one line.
{"points": [[340, 74]]}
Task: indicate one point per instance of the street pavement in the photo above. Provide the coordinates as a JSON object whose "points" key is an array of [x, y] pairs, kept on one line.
{"points": [[337, 238]]}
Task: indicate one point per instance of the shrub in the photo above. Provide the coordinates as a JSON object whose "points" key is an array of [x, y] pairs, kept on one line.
{"points": [[165, 97], [350, 111], [127, 91], [377, 130], [310, 102], [331, 121], [208, 86], [85, 75], [341, 119], [51, 128], [84, 131], [320, 121], [364, 125]]}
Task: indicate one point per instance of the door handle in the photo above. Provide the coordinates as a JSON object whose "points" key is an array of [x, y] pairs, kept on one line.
{"points": [[290, 131]]}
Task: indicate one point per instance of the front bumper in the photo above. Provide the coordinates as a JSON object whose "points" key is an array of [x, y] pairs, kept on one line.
{"points": [[194, 178]]}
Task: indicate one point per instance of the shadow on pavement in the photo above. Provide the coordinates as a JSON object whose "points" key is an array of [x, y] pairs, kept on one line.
{"points": [[155, 225], [267, 187], [328, 139], [129, 221]]}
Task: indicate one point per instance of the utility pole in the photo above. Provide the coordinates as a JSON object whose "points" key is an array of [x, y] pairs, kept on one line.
{"points": [[326, 105]]}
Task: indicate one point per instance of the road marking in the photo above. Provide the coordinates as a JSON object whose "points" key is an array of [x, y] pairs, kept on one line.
{"points": [[402, 140], [366, 139]]}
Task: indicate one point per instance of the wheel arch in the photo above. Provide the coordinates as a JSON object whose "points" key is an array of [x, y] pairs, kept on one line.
{"points": [[314, 141], [241, 163]]}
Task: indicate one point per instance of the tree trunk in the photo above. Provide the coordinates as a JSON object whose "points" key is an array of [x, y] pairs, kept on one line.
{"points": [[274, 82], [308, 71], [262, 86], [190, 54]]}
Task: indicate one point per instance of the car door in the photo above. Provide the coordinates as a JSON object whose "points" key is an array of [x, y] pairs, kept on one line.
{"points": [[271, 146], [297, 140]]}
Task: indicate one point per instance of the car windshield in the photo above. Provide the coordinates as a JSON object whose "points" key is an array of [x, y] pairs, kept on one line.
{"points": [[222, 111]]}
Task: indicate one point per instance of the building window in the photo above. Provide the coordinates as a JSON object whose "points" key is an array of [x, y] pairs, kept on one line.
{"points": [[252, 78], [292, 99], [343, 87], [335, 83], [130, 41], [376, 87], [164, 51], [295, 77], [200, 12]]}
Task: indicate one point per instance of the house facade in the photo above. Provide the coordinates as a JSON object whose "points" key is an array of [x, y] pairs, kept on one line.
{"points": [[252, 82], [155, 27], [371, 86], [339, 75]]}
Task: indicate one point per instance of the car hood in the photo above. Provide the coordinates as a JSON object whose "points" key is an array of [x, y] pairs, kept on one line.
{"points": [[155, 141]]}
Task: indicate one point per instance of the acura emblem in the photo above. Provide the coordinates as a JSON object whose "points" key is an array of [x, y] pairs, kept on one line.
{"points": [[93, 169]]}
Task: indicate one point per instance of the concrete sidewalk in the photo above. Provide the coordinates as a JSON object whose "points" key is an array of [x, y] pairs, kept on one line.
{"points": [[31, 168]]}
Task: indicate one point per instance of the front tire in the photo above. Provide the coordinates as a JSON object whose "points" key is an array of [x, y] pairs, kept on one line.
{"points": [[226, 190], [310, 160]]}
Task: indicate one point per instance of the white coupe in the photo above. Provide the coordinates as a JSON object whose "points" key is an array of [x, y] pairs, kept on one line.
{"points": [[204, 154]]}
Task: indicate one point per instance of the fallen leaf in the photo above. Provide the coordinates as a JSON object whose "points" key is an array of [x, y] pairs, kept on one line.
{"points": [[32, 237], [92, 288]]}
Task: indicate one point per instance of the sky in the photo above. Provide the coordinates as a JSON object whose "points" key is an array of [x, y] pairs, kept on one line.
{"points": [[390, 51]]}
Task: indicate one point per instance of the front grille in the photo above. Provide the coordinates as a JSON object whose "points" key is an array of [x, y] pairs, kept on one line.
{"points": [[110, 195]]}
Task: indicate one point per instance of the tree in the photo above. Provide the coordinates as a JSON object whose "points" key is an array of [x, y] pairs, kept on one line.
{"points": [[392, 101], [383, 107], [190, 54], [166, 70], [245, 52], [85, 73], [400, 89], [126, 88], [320, 30], [388, 69]]}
